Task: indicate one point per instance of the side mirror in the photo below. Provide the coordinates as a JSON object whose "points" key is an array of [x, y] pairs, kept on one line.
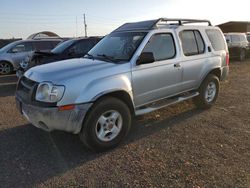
{"points": [[145, 58]]}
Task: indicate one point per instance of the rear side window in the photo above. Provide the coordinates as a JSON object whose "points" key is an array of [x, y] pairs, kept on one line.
{"points": [[162, 46], [235, 38], [43, 45], [216, 39], [54, 43], [192, 42]]}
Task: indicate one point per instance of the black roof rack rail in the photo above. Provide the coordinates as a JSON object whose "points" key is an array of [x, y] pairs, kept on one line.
{"points": [[150, 24], [183, 21]]}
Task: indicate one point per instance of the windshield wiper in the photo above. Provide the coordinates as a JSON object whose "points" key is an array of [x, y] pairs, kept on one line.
{"points": [[109, 58], [89, 56]]}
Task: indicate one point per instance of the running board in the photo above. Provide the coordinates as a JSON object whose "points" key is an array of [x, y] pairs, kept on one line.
{"points": [[164, 103]]}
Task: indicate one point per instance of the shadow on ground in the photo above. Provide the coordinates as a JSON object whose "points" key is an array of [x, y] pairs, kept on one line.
{"points": [[30, 156]]}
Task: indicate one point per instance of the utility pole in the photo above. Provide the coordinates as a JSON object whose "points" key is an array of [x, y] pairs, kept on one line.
{"points": [[76, 26], [85, 25]]}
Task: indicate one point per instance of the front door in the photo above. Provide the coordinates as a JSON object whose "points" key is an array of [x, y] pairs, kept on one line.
{"points": [[161, 78]]}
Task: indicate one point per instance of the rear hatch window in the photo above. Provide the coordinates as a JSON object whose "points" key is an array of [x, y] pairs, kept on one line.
{"points": [[216, 39]]}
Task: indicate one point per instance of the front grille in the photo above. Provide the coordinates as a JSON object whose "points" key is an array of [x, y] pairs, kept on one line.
{"points": [[26, 89]]}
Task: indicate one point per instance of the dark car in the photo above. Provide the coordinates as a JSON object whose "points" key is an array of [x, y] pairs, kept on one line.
{"points": [[73, 48], [237, 45]]}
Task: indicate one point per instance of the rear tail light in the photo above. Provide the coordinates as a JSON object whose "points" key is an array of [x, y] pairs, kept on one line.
{"points": [[227, 59]]}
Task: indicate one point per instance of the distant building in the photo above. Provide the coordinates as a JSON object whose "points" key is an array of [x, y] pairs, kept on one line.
{"points": [[239, 27], [43, 34]]}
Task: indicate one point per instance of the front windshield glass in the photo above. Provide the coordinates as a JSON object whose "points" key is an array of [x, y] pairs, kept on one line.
{"points": [[8, 46], [61, 47], [118, 46]]}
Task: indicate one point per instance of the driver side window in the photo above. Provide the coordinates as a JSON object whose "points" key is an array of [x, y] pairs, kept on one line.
{"points": [[162, 46], [22, 47]]}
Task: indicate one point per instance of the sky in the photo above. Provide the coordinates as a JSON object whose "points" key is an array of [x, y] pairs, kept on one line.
{"points": [[21, 18]]}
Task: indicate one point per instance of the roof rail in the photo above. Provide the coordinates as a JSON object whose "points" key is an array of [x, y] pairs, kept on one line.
{"points": [[150, 24], [182, 21]]}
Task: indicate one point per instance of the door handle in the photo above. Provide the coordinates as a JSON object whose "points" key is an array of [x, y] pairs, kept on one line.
{"points": [[177, 65]]}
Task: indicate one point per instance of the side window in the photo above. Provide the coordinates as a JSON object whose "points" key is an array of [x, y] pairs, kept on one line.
{"points": [[82, 47], [192, 42], [235, 38], [22, 47], [43, 45], [216, 39], [162, 46], [55, 43], [200, 42]]}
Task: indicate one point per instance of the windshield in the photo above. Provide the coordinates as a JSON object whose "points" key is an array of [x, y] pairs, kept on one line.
{"points": [[62, 46], [118, 46], [9, 46]]}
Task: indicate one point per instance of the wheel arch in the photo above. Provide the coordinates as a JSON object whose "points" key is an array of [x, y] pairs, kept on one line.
{"points": [[121, 95], [216, 71]]}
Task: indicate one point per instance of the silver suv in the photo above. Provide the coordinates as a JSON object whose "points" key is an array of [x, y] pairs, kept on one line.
{"points": [[138, 68]]}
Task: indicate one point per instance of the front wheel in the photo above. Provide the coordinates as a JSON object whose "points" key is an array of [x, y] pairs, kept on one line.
{"points": [[107, 123], [5, 68], [209, 91]]}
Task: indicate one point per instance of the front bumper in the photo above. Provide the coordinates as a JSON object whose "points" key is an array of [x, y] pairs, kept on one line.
{"points": [[50, 118]]}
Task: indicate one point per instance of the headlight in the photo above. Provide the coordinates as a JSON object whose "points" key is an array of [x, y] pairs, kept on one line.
{"points": [[47, 92]]}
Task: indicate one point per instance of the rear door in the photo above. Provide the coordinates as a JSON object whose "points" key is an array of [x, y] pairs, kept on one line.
{"points": [[195, 58], [161, 78], [20, 51]]}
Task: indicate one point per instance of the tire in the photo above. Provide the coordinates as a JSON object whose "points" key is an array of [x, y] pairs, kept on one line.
{"points": [[99, 132], [5, 68], [209, 91], [242, 55]]}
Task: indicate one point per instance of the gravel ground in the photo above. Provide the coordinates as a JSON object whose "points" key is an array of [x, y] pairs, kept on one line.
{"points": [[179, 146]]}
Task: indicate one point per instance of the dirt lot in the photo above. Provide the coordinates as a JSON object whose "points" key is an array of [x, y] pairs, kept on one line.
{"points": [[179, 146]]}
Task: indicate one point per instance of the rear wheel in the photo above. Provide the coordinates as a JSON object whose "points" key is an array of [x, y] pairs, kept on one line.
{"points": [[209, 91], [106, 124], [5, 68]]}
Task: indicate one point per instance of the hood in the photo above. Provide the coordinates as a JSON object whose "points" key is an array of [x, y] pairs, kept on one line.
{"points": [[45, 53], [59, 71]]}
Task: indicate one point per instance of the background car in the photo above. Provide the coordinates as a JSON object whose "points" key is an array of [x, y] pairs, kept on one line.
{"points": [[12, 54], [248, 37], [73, 48], [237, 45]]}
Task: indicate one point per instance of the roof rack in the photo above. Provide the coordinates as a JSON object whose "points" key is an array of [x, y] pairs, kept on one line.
{"points": [[182, 21], [150, 24]]}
